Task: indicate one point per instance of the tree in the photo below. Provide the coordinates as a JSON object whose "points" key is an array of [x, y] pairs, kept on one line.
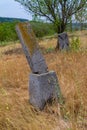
{"points": [[81, 17], [56, 11]]}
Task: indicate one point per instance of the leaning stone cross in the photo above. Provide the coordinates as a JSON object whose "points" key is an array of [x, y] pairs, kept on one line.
{"points": [[31, 48], [43, 85]]}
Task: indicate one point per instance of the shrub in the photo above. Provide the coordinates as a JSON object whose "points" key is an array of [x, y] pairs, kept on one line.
{"points": [[42, 29], [7, 31], [75, 44]]}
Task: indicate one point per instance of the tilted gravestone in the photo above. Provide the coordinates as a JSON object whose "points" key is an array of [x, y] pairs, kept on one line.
{"points": [[63, 41], [43, 85]]}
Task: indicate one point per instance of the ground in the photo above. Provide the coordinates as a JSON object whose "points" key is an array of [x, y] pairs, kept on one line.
{"points": [[71, 68]]}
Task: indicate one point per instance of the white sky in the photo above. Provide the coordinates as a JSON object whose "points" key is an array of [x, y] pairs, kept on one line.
{"points": [[10, 8]]}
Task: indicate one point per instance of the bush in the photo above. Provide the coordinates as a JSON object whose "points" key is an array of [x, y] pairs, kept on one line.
{"points": [[42, 29], [7, 31], [75, 44]]}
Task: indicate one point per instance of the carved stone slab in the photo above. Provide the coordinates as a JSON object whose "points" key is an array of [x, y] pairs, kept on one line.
{"points": [[63, 41], [31, 48], [42, 88]]}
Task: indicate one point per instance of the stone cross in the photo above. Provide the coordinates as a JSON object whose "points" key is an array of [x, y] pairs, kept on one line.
{"points": [[43, 85], [31, 48], [63, 41]]}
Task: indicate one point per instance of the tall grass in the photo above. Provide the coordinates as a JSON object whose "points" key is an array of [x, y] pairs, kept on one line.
{"points": [[15, 111]]}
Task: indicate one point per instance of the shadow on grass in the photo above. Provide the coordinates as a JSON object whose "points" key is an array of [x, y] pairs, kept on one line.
{"points": [[15, 51]]}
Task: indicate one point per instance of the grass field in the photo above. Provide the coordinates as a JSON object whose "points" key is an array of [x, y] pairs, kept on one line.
{"points": [[71, 67]]}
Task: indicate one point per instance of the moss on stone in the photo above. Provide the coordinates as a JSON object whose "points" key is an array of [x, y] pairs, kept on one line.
{"points": [[28, 36]]}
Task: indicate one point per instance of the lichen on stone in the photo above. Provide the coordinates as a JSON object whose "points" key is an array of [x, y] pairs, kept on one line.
{"points": [[28, 36]]}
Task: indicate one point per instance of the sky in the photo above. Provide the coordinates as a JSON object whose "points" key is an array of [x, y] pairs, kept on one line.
{"points": [[10, 8]]}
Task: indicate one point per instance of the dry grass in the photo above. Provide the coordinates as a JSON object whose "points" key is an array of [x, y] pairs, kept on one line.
{"points": [[51, 43], [15, 111]]}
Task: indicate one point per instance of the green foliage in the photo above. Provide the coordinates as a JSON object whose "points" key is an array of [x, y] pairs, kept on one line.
{"points": [[57, 12], [3, 43], [49, 50], [75, 44], [7, 32], [42, 29]]}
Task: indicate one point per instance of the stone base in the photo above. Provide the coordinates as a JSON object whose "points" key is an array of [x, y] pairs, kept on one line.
{"points": [[42, 88]]}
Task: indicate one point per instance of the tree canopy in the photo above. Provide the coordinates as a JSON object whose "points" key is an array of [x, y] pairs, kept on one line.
{"points": [[81, 17], [56, 11]]}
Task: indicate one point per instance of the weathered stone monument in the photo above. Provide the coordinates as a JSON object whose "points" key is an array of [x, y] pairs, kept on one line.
{"points": [[31, 48], [43, 85], [63, 41]]}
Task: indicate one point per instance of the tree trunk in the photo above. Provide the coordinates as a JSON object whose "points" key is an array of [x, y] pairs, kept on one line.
{"points": [[60, 29], [81, 26], [71, 25]]}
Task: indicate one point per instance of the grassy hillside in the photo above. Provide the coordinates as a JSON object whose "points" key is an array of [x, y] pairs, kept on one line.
{"points": [[6, 19], [71, 67]]}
